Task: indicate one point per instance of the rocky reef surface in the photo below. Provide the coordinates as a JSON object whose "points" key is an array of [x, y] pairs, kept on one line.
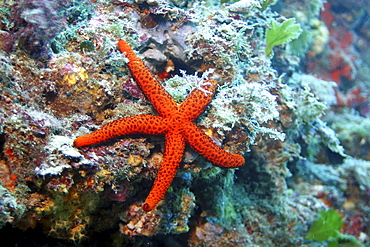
{"points": [[293, 99]]}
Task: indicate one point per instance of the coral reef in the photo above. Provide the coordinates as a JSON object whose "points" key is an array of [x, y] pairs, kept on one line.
{"points": [[299, 117]]}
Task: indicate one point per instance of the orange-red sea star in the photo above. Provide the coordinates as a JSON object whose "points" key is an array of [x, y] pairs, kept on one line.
{"points": [[175, 122]]}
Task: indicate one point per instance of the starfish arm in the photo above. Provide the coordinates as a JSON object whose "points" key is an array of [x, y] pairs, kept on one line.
{"points": [[143, 124], [206, 147], [175, 145], [162, 102], [198, 100]]}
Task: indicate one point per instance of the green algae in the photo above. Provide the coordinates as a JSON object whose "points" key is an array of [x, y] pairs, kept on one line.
{"points": [[326, 228], [280, 33]]}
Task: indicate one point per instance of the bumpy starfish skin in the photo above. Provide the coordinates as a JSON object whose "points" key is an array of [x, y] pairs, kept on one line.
{"points": [[174, 121]]}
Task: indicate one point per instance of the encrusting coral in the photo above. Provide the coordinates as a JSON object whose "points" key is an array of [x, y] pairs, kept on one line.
{"points": [[174, 121], [288, 124]]}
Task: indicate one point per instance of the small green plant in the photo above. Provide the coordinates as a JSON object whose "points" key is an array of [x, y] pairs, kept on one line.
{"points": [[326, 227], [280, 33], [266, 3]]}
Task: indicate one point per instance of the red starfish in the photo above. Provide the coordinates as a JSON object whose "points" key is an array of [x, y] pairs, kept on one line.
{"points": [[175, 122]]}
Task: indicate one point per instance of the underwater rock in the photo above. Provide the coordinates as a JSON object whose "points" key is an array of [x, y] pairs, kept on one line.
{"points": [[300, 119]]}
